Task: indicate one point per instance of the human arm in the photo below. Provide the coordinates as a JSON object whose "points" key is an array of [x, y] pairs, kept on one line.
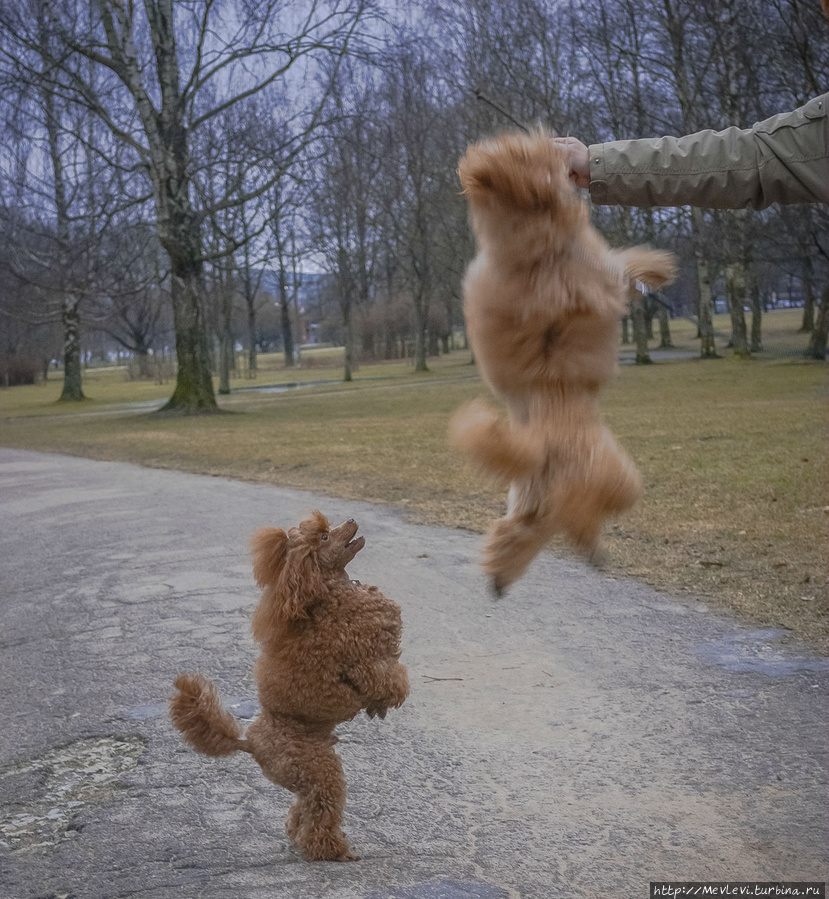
{"points": [[784, 159]]}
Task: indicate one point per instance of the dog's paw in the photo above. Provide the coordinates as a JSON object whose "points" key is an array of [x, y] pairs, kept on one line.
{"points": [[377, 710], [328, 849], [497, 588], [597, 557]]}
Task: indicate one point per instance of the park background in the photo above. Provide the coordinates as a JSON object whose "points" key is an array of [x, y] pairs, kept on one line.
{"points": [[202, 203]]}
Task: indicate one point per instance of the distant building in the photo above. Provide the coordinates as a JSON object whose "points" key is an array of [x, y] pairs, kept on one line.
{"points": [[309, 299]]}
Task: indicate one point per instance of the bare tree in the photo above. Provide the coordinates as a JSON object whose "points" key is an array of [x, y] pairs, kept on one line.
{"points": [[204, 111], [72, 389], [344, 203], [416, 120], [170, 70], [283, 219], [130, 304], [796, 73], [263, 144], [58, 183], [220, 271]]}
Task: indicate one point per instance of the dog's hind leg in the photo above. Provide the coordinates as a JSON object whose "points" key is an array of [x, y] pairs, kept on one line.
{"points": [[315, 820], [582, 518], [296, 822], [321, 837], [303, 760], [513, 542], [612, 487]]}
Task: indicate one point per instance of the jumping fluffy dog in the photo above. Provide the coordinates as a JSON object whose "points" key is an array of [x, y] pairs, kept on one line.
{"points": [[329, 648], [543, 299]]}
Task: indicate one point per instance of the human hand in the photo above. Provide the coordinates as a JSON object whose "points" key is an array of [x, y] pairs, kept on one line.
{"points": [[577, 159]]}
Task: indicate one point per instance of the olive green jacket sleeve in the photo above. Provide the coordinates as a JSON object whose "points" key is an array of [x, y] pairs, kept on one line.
{"points": [[784, 159]]}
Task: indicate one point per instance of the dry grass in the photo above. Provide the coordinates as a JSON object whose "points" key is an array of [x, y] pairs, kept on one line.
{"points": [[733, 456]]}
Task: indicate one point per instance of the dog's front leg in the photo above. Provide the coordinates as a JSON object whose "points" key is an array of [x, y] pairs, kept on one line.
{"points": [[381, 685]]}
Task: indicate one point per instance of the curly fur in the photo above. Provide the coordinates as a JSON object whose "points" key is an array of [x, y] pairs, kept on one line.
{"points": [[542, 300], [330, 647]]}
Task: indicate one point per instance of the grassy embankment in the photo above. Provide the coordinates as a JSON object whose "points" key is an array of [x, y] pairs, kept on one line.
{"points": [[733, 456]]}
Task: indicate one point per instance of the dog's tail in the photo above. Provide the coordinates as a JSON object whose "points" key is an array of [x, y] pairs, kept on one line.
{"points": [[477, 430], [197, 712], [654, 268]]}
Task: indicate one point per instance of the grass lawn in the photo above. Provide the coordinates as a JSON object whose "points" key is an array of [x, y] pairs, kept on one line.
{"points": [[733, 455]]}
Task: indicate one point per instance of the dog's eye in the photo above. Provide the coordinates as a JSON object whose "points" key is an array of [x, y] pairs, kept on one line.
{"points": [[324, 537]]}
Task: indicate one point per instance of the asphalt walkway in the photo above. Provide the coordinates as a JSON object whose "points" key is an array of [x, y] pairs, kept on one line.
{"points": [[578, 738]]}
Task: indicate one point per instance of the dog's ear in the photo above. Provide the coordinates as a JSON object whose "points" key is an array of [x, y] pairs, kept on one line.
{"points": [[300, 584], [285, 566], [269, 546]]}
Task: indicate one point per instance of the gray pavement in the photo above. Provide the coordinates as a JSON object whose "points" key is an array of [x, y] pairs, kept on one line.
{"points": [[581, 737]]}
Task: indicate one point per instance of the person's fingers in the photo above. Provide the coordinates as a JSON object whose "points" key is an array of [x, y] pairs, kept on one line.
{"points": [[577, 159]]}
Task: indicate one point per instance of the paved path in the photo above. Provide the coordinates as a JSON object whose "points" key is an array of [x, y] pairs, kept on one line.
{"points": [[581, 737]]}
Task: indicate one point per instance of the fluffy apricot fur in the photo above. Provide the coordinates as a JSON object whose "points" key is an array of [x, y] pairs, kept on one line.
{"points": [[542, 300]]}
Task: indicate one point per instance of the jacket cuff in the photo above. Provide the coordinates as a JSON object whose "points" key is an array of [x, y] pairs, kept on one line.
{"points": [[598, 174]]}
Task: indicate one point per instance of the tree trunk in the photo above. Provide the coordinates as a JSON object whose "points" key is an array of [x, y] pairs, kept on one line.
{"points": [[433, 343], [756, 315], [72, 377], [193, 393], [298, 335], [649, 315], [665, 341], [348, 364], [251, 339], [626, 330], [820, 334], [420, 344], [640, 332], [735, 280], [285, 315], [421, 325], [807, 324], [226, 352], [142, 357], [708, 349]]}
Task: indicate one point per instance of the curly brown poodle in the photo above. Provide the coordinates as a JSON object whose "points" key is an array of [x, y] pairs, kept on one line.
{"points": [[330, 647], [543, 299]]}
